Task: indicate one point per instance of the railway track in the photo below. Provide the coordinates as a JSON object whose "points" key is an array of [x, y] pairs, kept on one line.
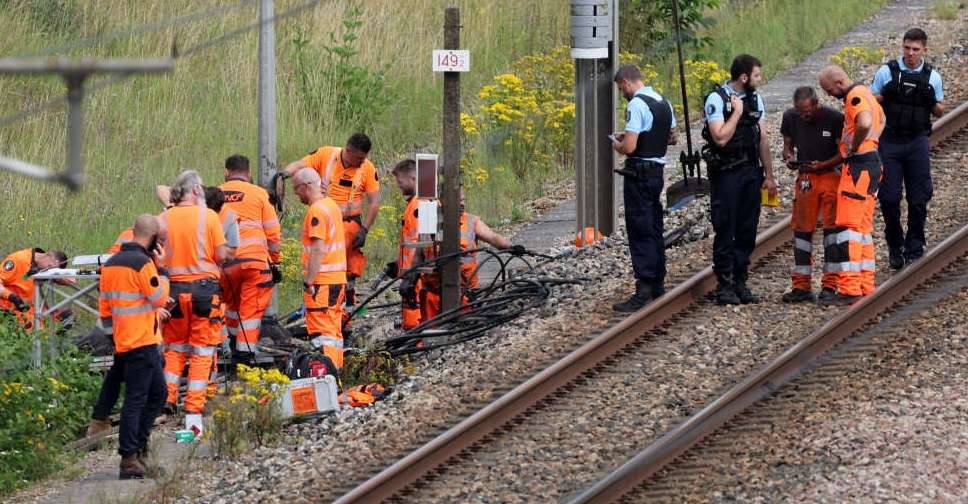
{"points": [[500, 450]]}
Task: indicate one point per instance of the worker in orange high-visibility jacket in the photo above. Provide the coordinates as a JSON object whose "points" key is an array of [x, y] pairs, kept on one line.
{"points": [[133, 293], [124, 237], [472, 231], [353, 183], [323, 265], [857, 191], [194, 247], [406, 175], [247, 280], [17, 284], [215, 201]]}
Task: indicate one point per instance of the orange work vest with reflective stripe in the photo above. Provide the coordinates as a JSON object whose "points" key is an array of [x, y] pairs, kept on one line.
{"points": [[15, 274], [324, 222], [408, 235], [131, 292], [125, 236], [345, 186], [258, 223], [193, 234]]}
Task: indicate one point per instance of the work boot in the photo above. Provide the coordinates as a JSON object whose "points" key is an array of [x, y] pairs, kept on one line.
{"points": [[838, 299], [170, 409], [799, 296], [153, 471], [896, 258], [131, 468], [725, 295], [642, 297], [658, 289], [97, 426], [825, 295], [744, 293]]}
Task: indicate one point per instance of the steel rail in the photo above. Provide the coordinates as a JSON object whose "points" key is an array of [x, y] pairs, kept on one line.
{"points": [[489, 419], [773, 375]]}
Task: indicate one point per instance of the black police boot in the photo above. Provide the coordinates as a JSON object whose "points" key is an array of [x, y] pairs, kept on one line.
{"points": [[798, 296], [896, 258], [725, 294], [743, 292], [838, 299], [642, 297], [658, 289], [826, 294]]}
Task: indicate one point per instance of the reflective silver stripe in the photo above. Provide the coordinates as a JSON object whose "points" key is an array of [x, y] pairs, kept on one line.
{"points": [[326, 268], [156, 295], [232, 330], [128, 296], [268, 224], [843, 266], [331, 342], [172, 378], [328, 177], [867, 239], [178, 347], [244, 346], [249, 242], [803, 270], [831, 267], [248, 224], [204, 351], [848, 235], [830, 239], [197, 385], [327, 248], [868, 265], [802, 244], [131, 310], [251, 323], [232, 314]]}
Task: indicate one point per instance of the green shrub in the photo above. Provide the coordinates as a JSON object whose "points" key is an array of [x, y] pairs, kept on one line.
{"points": [[946, 9], [41, 409]]}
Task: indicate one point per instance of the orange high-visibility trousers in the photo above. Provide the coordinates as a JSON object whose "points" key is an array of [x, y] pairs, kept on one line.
{"points": [[247, 292], [411, 314], [355, 260], [191, 334], [324, 320], [854, 241], [815, 196]]}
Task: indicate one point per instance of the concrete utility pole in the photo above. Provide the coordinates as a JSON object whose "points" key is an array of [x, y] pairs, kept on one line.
{"points": [[74, 74], [450, 269], [267, 93], [594, 46]]}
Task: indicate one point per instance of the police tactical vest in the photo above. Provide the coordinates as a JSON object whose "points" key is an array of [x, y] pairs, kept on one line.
{"points": [[746, 140], [908, 99], [655, 142]]}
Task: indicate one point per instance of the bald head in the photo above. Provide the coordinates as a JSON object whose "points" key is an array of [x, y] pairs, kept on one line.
{"points": [[146, 227], [834, 81], [307, 185]]}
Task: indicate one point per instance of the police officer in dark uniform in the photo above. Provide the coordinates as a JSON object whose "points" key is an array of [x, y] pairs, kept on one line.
{"points": [[738, 157], [649, 130], [910, 91]]}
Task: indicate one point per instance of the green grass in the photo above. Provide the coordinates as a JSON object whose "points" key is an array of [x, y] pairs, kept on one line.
{"points": [[946, 9]]}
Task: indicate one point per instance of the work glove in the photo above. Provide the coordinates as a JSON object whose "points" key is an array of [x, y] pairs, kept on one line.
{"points": [[517, 250], [360, 239], [408, 288], [18, 303], [276, 273], [392, 270]]}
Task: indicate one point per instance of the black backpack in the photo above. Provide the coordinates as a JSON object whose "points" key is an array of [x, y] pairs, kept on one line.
{"points": [[309, 363]]}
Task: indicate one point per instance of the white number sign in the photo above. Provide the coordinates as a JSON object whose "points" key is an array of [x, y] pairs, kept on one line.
{"points": [[449, 60]]}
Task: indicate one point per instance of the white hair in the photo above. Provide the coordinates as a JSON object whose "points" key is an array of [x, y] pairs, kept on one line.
{"points": [[183, 185]]}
